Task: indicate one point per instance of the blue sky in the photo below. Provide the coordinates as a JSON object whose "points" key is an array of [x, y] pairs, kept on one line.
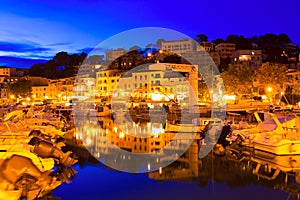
{"points": [[37, 29]]}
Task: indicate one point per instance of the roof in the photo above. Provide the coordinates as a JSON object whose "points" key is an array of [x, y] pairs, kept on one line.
{"points": [[142, 68], [171, 74]]}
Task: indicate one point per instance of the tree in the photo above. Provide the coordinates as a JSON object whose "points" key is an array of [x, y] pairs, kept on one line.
{"points": [[201, 38], [240, 41], [272, 46], [62, 65], [237, 79], [218, 41], [21, 88], [272, 75], [135, 47], [173, 58]]}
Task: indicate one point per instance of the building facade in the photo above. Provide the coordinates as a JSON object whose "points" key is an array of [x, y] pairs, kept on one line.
{"points": [[114, 54], [225, 49], [179, 46], [248, 57]]}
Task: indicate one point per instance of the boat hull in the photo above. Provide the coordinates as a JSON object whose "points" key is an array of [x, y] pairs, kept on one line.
{"points": [[282, 147]]}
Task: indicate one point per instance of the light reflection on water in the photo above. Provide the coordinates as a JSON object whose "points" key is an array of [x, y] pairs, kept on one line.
{"points": [[247, 175], [132, 147]]}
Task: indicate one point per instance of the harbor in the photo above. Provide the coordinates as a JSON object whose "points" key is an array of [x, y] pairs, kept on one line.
{"points": [[54, 146]]}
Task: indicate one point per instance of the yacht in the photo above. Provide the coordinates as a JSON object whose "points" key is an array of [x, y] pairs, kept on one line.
{"points": [[278, 135]]}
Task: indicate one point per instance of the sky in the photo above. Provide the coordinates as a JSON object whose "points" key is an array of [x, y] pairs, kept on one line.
{"points": [[34, 29]]}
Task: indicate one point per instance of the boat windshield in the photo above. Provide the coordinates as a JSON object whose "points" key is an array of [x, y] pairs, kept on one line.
{"points": [[270, 124], [267, 125], [284, 119]]}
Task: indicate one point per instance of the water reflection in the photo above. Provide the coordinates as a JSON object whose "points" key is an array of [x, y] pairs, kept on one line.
{"points": [[248, 168], [238, 166], [132, 147]]}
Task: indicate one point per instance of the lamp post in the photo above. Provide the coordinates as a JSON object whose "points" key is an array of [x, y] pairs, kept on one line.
{"points": [[269, 90]]}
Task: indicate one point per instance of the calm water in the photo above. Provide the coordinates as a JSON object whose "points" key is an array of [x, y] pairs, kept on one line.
{"points": [[98, 182], [252, 175]]}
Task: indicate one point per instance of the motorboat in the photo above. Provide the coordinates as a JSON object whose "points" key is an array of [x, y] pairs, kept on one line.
{"points": [[278, 135], [272, 124]]}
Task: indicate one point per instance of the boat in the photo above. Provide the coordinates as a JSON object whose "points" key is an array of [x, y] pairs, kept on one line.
{"points": [[24, 176], [278, 135], [272, 125], [279, 144], [197, 125]]}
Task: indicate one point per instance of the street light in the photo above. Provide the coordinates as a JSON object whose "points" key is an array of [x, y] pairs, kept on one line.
{"points": [[269, 89]]}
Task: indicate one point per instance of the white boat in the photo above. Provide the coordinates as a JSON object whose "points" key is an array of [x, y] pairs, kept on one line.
{"points": [[271, 126], [279, 144], [277, 135]]}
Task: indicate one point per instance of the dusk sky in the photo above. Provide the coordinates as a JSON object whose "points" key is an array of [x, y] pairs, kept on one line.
{"points": [[36, 29]]}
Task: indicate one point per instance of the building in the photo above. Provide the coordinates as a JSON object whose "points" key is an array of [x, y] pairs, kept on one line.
{"points": [[208, 46], [86, 69], [225, 49], [61, 90], [4, 97], [140, 82], [6, 71], [106, 81], [248, 57], [84, 87], [126, 61], [114, 54], [39, 87], [179, 46], [160, 82], [201, 58]]}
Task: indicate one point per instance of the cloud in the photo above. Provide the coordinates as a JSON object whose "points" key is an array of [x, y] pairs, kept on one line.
{"points": [[21, 47], [59, 44]]}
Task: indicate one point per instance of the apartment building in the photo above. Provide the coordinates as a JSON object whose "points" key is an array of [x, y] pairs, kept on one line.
{"points": [[179, 46], [225, 49], [248, 57]]}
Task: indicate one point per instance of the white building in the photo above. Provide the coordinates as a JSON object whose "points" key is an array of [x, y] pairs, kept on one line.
{"points": [[249, 57], [179, 46], [114, 54]]}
